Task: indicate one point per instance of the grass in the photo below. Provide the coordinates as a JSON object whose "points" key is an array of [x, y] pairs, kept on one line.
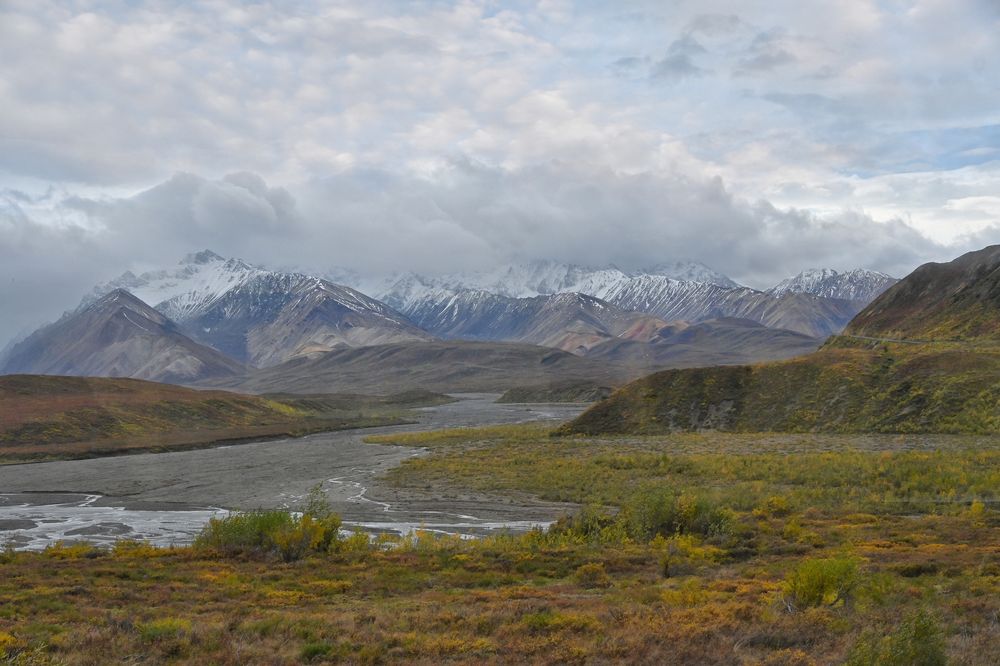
{"points": [[707, 548]]}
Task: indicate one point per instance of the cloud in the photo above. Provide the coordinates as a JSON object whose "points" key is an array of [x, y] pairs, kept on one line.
{"points": [[452, 134], [467, 216]]}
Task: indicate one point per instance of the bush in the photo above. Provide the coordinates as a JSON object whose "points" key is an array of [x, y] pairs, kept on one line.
{"points": [[275, 532], [165, 628], [918, 641], [662, 512], [315, 651], [592, 575], [821, 582]]}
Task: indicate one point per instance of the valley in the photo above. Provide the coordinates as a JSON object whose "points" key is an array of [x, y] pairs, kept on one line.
{"points": [[769, 498], [276, 473]]}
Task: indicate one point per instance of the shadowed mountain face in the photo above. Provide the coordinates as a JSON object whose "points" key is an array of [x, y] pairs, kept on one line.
{"points": [[118, 336], [439, 365], [714, 342], [958, 299]]}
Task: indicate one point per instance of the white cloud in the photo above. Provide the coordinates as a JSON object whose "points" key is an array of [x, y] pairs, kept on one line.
{"points": [[420, 133]]}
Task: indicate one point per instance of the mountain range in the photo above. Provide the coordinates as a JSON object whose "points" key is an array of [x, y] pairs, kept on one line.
{"points": [[263, 317], [210, 317], [817, 303]]}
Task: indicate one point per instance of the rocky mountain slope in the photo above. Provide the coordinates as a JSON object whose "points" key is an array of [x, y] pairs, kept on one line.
{"points": [[958, 299], [572, 322], [713, 342], [689, 292], [117, 335], [263, 317], [450, 365], [851, 385], [858, 285]]}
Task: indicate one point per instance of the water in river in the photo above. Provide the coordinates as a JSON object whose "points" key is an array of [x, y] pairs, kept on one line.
{"points": [[167, 498]]}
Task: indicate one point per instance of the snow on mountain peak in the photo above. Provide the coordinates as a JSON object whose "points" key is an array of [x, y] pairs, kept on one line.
{"points": [[691, 271], [203, 257], [853, 285]]}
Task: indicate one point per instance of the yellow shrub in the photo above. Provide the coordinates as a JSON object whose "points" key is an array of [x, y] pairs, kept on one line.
{"points": [[8, 644]]}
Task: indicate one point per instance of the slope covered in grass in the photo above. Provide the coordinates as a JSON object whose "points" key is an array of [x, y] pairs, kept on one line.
{"points": [[45, 417], [922, 358], [843, 388], [955, 300]]}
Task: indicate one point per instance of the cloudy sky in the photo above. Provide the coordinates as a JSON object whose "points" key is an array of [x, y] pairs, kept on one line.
{"points": [[761, 138]]}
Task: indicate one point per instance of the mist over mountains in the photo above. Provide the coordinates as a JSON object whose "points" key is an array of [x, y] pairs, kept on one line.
{"points": [[212, 317]]}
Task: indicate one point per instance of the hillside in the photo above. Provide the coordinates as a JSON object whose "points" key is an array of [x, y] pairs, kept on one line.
{"points": [[958, 299], [851, 385], [845, 390], [45, 417], [117, 335], [453, 366], [713, 342]]}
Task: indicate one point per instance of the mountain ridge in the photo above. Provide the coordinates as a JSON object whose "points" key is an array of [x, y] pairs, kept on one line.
{"points": [[259, 316], [117, 335]]}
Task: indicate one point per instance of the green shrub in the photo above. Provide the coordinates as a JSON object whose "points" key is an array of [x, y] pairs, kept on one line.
{"points": [[169, 627], [917, 641], [315, 651], [821, 582], [275, 532], [662, 512], [592, 575]]}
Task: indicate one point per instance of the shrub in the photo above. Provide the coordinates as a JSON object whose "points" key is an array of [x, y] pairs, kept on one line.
{"points": [[8, 644], [821, 582], [275, 532], [591, 523], [917, 641], [683, 553], [170, 627], [592, 575], [662, 512], [775, 505], [315, 651]]}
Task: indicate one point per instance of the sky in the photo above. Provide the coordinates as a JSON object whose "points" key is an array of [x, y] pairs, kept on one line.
{"points": [[761, 138]]}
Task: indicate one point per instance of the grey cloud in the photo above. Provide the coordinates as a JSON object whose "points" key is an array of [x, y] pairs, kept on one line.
{"points": [[676, 67], [809, 105], [765, 53], [679, 61], [715, 24], [469, 216]]}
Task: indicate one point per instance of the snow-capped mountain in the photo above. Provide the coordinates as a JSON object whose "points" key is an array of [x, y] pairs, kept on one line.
{"points": [[571, 321], [656, 292], [856, 285], [259, 316], [690, 271], [537, 278]]}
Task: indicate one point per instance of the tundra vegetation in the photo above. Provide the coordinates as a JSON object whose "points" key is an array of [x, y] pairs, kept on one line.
{"points": [[687, 548], [51, 418]]}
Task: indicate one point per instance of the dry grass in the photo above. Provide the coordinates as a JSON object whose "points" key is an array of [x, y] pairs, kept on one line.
{"points": [[798, 574]]}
